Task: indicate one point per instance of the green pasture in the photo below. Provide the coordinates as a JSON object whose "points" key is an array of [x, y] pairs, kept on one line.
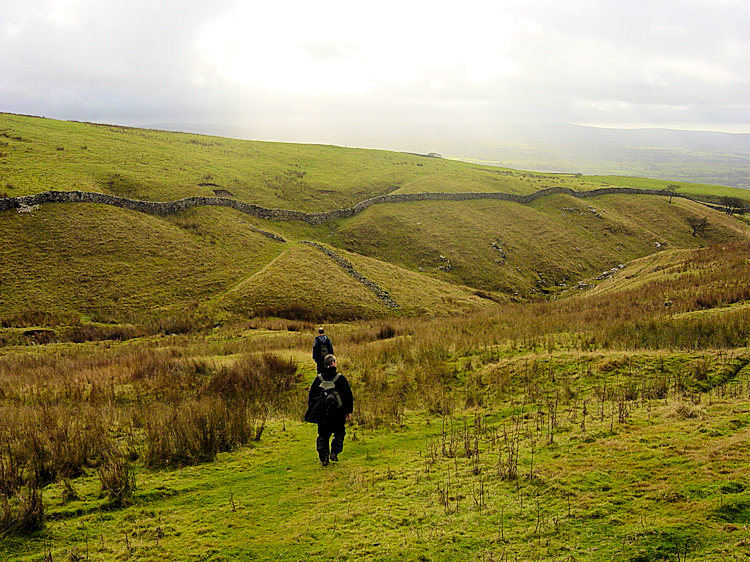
{"points": [[107, 263], [103, 262], [605, 426], [43, 154], [711, 191], [525, 250], [666, 481], [39, 154]]}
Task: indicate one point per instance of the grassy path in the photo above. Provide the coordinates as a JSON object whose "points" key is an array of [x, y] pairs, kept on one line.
{"points": [[266, 502], [653, 488]]}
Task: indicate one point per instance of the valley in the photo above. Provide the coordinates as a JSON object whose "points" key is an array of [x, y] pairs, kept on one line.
{"points": [[563, 376]]}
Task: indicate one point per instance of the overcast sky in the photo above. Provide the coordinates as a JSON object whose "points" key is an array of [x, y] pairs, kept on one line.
{"points": [[319, 71]]}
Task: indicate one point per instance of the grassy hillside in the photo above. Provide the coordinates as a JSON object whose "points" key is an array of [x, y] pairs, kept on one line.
{"points": [[607, 426], [390, 499], [302, 276], [697, 189], [522, 250], [108, 263], [105, 263], [670, 268], [154, 370], [101, 261], [40, 154], [304, 282]]}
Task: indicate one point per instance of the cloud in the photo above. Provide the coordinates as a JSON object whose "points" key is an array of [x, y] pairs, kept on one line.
{"points": [[339, 48], [322, 66], [116, 55]]}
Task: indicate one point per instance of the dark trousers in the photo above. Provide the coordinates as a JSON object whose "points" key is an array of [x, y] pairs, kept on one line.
{"points": [[325, 430]]}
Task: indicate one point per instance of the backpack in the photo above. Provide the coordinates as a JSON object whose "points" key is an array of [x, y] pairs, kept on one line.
{"points": [[323, 348], [326, 404]]}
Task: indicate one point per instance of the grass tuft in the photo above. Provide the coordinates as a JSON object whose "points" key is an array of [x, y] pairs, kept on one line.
{"points": [[23, 513]]}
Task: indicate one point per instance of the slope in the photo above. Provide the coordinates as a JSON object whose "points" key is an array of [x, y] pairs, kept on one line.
{"points": [[104, 262], [684, 280], [39, 154], [306, 283], [518, 249]]}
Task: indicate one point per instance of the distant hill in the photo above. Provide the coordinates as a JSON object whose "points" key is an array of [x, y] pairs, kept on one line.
{"points": [[692, 156], [430, 257]]}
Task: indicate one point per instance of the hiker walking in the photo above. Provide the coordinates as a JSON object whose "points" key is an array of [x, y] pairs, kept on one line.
{"points": [[321, 347], [330, 404]]}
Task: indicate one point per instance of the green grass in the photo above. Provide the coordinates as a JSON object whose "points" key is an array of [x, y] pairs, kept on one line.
{"points": [[686, 188], [304, 279], [660, 268], [629, 416], [304, 282], [42, 154], [616, 490], [94, 261], [627, 450], [557, 240], [420, 295], [99, 260]]}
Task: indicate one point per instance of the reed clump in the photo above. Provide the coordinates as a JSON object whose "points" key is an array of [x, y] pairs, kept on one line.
{"points": [[117, 480], [217, 410], [22, 513]]}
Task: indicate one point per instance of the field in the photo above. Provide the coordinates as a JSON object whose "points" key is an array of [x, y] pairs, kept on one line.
{"points": [[561, 380], [41, 154], [107, 264], [587, 428], [688, 156]]}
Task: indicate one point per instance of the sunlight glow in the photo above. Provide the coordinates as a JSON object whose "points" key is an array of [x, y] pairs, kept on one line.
{"points": [[352, 49]]}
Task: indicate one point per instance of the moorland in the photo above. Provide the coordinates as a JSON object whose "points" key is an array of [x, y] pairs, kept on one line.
{"points": [[565, 378]]}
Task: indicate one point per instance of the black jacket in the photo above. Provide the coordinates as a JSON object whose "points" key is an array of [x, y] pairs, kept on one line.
{"points": [[342, 386], [320, 341]]}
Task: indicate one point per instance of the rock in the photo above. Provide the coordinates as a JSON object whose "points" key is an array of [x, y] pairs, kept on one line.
{"points": [[26, 209], [499, 248], [610, 273]]}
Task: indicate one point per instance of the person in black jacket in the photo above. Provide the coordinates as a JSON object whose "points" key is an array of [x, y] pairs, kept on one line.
{"points": [[336, 424], [321, 347]]}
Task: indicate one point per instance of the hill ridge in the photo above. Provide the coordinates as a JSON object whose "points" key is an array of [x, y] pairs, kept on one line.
{"points": [[25, 203]]}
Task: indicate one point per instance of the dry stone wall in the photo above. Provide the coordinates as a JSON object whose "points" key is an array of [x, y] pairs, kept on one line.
{"points": [[159, 208], [170, 207], [347, 266]]}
